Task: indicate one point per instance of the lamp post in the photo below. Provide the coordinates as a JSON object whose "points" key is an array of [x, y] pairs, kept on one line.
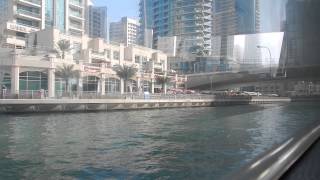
{"points": [[265, 47]]}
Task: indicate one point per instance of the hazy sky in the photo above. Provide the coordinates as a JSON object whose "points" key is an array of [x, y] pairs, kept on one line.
{"points": [[270, 11]]}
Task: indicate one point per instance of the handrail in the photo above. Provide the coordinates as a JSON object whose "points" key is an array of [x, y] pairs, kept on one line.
{"points": [[277, 161]]}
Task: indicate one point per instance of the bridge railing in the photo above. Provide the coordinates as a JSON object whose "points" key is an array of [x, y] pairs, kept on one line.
{"points": [[275, 163]]}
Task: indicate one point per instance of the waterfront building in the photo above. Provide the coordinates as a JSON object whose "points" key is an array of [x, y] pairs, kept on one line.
{"points": [[186, 19], [18, 18], [98, 23], [33, 69], [125, 31]]}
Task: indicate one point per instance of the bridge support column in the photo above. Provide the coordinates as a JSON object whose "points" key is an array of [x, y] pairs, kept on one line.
{"points": [[139, 85], [103, 85], [122, 86], [15, 70], [51, 82]]}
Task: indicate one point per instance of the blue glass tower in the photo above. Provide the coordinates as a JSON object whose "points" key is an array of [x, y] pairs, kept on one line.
{"points": [[189, 20]]}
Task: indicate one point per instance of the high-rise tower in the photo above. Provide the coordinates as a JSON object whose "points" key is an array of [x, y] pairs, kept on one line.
{"points": [[189, 20], [232, 17], [98, 24]]}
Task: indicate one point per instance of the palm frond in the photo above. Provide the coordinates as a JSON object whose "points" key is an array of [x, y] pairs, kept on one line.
{"points": [[125, 72]]}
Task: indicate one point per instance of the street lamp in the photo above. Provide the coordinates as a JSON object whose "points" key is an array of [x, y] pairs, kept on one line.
{"points": [[265, 47]]}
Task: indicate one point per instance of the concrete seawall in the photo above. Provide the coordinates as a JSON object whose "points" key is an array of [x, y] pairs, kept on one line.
{"points": [[91, 105]]}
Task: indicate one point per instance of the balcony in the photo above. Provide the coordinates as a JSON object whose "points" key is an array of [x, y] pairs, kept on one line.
{"points": [[16, 40], [76, 15], [28, 14], [35, 3], [76, 4], [20, 27], [77, 27]]}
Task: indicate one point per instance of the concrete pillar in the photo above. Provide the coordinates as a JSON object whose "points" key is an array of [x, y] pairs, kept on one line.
{"points": [[80, 83], [165, 88], [152, 86], [51, 77], [51, 83], [15, 71], [103, 85], [139, 85], [122, 86]]}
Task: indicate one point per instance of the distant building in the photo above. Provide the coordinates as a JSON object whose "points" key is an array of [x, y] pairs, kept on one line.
{"points": [[98, 24], [233, 17], [300, 52], [125, 31], [189, 20], [146, 22], [18, 18]]}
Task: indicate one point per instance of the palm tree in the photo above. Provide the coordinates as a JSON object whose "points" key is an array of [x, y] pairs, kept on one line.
{"points": [[163, 80], [67, 72], [125, 72], [64, 46]]}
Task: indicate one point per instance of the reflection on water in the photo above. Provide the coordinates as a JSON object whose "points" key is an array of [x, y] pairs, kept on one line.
{"points": [[205, 143]]}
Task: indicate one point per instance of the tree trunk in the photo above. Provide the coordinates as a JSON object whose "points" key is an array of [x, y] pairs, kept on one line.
{"points": [[125, 86], [63, 54], [68, 87]]}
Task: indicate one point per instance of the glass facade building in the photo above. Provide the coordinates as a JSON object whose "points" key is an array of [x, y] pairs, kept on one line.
{"points": [[233, 17], [300, 52], [60, 14], [98, 24], [187, 19], [49, 20]]}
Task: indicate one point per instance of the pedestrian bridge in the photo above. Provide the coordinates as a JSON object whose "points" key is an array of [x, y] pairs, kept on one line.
{"points": [[225, 80], [222, 79]]}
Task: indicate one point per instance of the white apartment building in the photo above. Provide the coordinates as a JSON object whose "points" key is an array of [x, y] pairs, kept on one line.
{"points": [[33, 69], [20, 17], [125, 31]]}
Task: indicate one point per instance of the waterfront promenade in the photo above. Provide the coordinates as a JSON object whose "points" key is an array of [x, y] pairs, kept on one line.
{"points": [[128, 103]]}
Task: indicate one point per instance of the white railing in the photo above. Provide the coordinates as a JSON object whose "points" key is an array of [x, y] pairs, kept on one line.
{"points": [[33, 14]]}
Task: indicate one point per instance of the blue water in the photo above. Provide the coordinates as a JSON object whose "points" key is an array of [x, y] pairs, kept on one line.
{"points": [[192, 143]]}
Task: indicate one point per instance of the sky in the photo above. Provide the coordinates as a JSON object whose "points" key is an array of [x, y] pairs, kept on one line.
{"points": [[120, 8], [270, 11]]}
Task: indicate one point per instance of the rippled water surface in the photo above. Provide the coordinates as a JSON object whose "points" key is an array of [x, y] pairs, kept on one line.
{"points": [[199, 143]]}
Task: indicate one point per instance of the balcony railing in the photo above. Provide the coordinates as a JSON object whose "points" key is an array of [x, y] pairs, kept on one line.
{"points": [[32, 1], [29, 13], [28, 25], [75, 2], [77, 26], [76, 14]]}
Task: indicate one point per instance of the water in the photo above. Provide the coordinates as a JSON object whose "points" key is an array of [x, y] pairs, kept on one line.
{"points": [[199, 143]]}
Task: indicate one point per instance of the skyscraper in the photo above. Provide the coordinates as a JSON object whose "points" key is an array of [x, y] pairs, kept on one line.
{"points": [[21, 17], [98, 24], [189, 20], [300, 53], [233, 17], [125, 31], [146, 24]]}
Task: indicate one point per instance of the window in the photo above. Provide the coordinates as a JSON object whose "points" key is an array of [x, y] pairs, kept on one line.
{"points": [[116, 55]]}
